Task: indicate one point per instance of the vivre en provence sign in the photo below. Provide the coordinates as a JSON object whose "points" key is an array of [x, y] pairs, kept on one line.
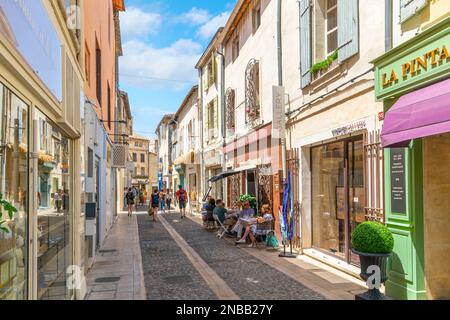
{"points": [[423, 58], [398, 180]]}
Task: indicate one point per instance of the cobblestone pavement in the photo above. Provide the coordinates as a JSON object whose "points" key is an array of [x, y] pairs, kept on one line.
{"points": [[168, 274]]}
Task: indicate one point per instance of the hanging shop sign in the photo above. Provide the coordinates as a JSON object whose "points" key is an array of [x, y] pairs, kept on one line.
{"points": [[28, 28], [350, 128], [422, 59], [398, 180]]}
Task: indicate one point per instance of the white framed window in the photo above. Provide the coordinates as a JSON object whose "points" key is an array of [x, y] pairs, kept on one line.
{"points": [[331, 29]]}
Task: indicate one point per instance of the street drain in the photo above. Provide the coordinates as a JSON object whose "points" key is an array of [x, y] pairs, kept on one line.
{"points": [[178, 279], [107, 250], [107, 279]]}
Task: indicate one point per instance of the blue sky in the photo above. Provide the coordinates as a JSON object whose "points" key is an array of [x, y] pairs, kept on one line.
{"points": [[164, 40]]}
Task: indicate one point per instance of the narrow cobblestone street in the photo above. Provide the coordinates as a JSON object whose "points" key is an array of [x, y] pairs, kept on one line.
{"points": [[177, 259]]}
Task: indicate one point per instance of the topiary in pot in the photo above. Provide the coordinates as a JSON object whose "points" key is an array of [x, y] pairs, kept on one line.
{"points": [[372, 237], [373, 242]]}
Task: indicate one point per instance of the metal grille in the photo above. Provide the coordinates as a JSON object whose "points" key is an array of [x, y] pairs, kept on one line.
{"points": [[234, 185], [265, 184], [374, 162], [119, 156], [230, 111], [293, 165], [252, 105]]}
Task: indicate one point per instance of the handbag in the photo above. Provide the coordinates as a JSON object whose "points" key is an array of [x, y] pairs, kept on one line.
{"points": [[272, 241]]}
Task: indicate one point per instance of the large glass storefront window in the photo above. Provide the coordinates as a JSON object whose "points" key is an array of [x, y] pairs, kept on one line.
{"points": [[54, 210], [13, 185], [338, 195]]}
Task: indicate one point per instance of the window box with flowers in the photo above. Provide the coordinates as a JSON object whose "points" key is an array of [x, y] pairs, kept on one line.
{"points": [[322, 67]]}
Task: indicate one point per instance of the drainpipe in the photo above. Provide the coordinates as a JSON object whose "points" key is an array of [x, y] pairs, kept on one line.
{"points": [[388, 25], [222, 111], [280, 80]]}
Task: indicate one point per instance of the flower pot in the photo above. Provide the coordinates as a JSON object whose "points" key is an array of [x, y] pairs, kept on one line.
{"points": [[372, 259], [369, 259]]}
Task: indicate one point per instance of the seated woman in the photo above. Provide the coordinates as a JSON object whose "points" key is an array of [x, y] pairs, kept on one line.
{"points": [[250, 230], [209, 208]]}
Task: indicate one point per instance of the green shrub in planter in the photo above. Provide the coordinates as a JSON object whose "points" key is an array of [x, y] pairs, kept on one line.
{"points": [[372, 237], [249, 198]]}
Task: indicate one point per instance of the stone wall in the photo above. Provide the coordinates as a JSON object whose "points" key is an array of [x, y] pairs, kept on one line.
{"points": [[436, 155]]}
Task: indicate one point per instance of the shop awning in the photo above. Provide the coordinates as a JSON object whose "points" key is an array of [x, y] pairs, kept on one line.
{"points": [[224, 174], [418, 114], [232, 172]]}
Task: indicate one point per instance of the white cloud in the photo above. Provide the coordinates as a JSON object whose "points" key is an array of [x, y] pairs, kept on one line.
{"points": [[208, 29], [145, 66], [135, 22], [195, 16]]}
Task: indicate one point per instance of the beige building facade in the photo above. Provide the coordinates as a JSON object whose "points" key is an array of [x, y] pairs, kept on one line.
{"points": [[139, 154]]}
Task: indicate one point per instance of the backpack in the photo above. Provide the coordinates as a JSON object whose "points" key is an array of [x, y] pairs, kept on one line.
{"points": [[130, 196], [182, 195], [155, 198]]}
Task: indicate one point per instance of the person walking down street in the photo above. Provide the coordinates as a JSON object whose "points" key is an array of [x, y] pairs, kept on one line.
{"points": [[182, 200], [130, 201], [141, 197], [169, 198], [162, 201], [154, 204]]}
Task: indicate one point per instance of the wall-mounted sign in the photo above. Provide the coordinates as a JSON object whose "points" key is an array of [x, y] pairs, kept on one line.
{"points": [[26, 25], [278, 114], [424, 58], [350, 128], [398, 180]]}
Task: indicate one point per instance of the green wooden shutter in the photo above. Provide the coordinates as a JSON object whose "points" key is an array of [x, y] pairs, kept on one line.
{"points": [[206, 122], [205, 78], [213, 72], [409, 8], [216, 117], [348, 29], [305, 43]]}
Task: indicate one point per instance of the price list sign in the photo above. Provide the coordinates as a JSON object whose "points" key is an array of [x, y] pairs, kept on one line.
{"points": [[398, 181]]}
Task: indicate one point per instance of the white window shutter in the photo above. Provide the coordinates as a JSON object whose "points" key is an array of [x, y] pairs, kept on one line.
{"points": [[409, 8], [348, 29], [305, 43]]}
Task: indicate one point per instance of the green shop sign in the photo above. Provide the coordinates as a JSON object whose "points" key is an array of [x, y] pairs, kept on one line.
{"points": [[422, 59]]}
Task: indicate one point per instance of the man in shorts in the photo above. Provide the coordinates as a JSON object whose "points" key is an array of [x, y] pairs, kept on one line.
{"points": [[182, 197]]}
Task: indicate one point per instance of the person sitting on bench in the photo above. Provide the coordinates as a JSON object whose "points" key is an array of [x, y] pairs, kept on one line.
{"points": [[252, 226]]}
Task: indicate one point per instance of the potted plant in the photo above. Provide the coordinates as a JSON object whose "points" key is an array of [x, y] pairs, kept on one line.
{"points": [[250, 199], [373, 242]]}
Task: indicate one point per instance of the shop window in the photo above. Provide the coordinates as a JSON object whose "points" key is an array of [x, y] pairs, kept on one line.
{"points": [[13, 188], [54, 216]]}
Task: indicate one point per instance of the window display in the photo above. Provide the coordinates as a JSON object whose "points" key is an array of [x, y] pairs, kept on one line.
{"points": [[54, 210], [13, 185]]}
